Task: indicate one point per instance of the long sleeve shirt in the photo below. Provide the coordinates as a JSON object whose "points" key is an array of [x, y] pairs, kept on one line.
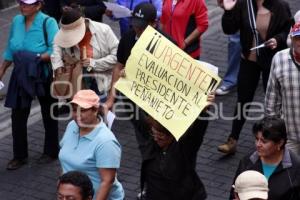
{"points": [[104, 45], [283, 93], [181, 20]]}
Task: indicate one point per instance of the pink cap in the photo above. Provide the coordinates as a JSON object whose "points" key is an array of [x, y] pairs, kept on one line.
{"points": [[86, 99]]}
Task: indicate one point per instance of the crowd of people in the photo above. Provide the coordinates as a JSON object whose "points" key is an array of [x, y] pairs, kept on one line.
{"points": [[50, 40]]}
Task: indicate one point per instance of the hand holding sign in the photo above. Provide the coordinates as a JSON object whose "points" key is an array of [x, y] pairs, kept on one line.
{"points": [[229, 4], [211, 98], [166, 82]]}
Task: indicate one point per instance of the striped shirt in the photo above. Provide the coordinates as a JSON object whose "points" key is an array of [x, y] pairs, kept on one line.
{"points": [[283, 93]]}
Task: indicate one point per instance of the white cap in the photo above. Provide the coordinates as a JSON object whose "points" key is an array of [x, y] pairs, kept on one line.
{"points": [[251, 184]]}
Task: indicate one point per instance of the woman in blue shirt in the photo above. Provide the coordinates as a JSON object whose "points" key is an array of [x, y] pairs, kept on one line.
{"points": [[89, 146], [29, 35]]}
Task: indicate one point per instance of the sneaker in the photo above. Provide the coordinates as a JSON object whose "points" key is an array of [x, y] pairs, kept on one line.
{"points": [[222, 90], [141, 195], [229, 147], [16, 164]]}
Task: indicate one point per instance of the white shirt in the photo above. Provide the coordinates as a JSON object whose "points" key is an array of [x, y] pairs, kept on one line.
{"points": [[105, 46]]}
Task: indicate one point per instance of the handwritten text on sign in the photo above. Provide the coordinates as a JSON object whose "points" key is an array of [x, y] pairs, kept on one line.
{"points": [[166, 82]]}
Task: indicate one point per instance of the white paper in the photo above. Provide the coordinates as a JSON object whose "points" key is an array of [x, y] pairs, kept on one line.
{"points": [[110, 117], [1, 85], [258, 47], [118, 10], [213, 68]]}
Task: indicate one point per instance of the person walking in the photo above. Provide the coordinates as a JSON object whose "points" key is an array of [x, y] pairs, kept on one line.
{"points": [[89, 146], [264, 22], [29, 46], [283, 96], [234, 54], [274, 160]]}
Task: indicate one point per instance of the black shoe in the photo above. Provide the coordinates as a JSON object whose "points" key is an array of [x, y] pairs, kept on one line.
{"points": [[45, 159], [16, 164]]}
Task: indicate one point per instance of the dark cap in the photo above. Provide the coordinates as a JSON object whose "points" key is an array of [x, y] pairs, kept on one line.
{"points": [[143, 14]]}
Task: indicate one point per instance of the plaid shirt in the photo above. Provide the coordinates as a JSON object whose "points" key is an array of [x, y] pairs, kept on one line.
{"points": [[283, 93]]}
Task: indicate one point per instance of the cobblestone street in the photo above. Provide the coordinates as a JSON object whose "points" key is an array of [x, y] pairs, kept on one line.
{"points": [[34, 181]]}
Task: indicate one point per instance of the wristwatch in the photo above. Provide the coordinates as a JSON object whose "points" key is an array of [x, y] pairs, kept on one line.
{"points": [[89, 68]]}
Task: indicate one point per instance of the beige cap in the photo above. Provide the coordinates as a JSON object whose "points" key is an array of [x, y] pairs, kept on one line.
{"points": [[72, 29], [251, 184]]}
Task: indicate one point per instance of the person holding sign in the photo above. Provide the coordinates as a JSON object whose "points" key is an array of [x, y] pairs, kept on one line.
{"points": [[168, 168], [144, 14], [264, 23], [185, 21]]}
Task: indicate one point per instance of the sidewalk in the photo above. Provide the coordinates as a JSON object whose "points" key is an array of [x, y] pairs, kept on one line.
{"points": [[34, 181]]}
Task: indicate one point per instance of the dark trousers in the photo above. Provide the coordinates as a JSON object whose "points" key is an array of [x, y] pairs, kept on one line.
{"points": [[248, 79], [19, 119]]}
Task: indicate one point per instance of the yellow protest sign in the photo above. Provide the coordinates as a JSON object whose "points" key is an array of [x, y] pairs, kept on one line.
{"points": [[166, 82]]}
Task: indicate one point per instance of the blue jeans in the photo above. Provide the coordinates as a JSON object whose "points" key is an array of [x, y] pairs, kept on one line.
{"points": [[234, 56]]}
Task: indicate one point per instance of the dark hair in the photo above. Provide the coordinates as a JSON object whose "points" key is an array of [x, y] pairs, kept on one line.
{"points": [[78, 179], [155, 124], [272, 128], [70, 15]]}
